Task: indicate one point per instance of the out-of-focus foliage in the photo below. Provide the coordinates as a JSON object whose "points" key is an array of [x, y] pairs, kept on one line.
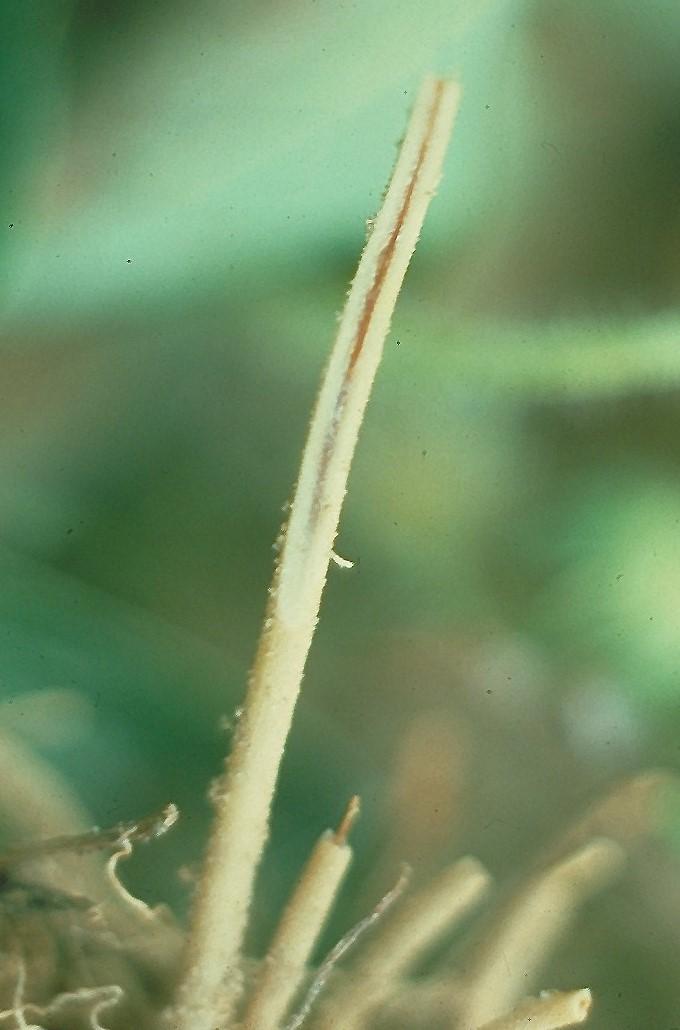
{"points": [[183, 192]]}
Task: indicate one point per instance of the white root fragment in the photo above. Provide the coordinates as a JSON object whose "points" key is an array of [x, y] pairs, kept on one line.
{"points": [[129, 901], [342, 563], [523, 937], [149, 933], [285, 965], [93, 1000], [403, 939], [552, 1010], [210, 984]]}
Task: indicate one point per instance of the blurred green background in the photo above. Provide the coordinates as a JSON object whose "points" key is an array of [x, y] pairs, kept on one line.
{"points": [[184, 188]]}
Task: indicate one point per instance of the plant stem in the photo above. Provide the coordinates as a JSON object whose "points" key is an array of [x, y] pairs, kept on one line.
{"points": [[210, 986], [345, 944], [524, 934], [420, 922], [285, 964]]}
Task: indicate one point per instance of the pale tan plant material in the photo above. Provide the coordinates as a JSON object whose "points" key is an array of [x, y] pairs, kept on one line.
{"points": [[550, 1011], [345, 944], [425, 1002], [151, 935], [210, 985], [35, 801], [526, 931], [427, 790], [285, 965], [418, 924], [91, 840], [426, 800], [628, 811], [88, 1001], [148, 930]]}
